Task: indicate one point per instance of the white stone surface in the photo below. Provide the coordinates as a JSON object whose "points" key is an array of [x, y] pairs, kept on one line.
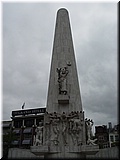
{"points": [[21, 153], [15, 153], [63, 56]]}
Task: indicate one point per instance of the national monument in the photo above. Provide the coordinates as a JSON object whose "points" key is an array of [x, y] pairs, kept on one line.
{"points": [[65, 132]]}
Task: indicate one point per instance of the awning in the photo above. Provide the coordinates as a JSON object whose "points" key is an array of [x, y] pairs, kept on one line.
{"points": [[26, 141], [6, 125], [27, 130], [17, 131], [15, 142]]}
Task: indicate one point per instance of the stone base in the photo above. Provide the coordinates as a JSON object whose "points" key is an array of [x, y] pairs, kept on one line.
{"points": [[63, 99], [83, 150], [89, 149], [39, 150]]}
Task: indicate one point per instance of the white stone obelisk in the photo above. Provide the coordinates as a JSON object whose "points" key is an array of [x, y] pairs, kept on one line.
{"points": [[63, 58], [63, 92], [64, 131]]}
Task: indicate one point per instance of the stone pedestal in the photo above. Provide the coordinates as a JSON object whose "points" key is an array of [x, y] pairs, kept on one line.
{"points": [[69, 151], [64, 137]]}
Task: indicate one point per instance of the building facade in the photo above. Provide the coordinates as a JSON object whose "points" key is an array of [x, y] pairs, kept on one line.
{"points": [[101, 133], [6, 137], [23, 126], [114, 136], [107, 137]]}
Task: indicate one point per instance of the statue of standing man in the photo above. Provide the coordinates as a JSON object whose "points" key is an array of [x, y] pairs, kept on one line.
{"points": [[64, 127], [89, 124], [55, 122], [62, 74], [38, 139]]}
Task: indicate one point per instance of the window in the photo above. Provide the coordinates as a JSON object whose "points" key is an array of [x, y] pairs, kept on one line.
{"points": [[27, 136], [16, 131], [27, 130], [111, 138], [26, 141], [116, 137], [15, 142], [29, 123], [105, 146], [18, 123]]}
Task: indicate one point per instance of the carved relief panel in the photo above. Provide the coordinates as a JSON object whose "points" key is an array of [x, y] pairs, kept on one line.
{"points": [[62, 127]]}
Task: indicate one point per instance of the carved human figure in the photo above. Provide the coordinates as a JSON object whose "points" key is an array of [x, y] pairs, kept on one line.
{"points": [[78, 124], [92, 141], [64, 127], [62, 75], [70, 120], [39, 135], [55, 121], [71, 117], [89, 124], [73, 131], [76, 129]]}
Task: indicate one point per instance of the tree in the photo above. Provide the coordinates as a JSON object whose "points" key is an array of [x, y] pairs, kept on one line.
{"points": [[8, 138]]}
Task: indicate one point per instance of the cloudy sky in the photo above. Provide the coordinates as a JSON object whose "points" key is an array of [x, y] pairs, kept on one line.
{"points": [[28, 32]]}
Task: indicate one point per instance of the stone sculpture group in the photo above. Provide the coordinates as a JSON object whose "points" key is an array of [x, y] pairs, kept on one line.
{"points": [[57, 124]]}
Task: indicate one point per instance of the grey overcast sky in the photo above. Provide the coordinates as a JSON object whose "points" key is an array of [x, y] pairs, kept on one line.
{"points": [[28, 31]]}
